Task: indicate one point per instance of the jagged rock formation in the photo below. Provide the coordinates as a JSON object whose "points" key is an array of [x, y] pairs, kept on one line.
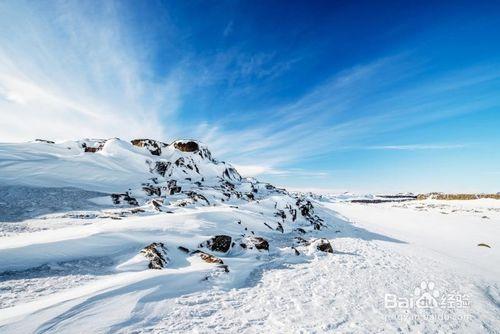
{"points": [[156, 253]]}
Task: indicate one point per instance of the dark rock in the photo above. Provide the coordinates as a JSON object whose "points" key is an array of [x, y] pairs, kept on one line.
{"points": [[172, 187], [324, 246], [258, 243], [157, 204], [231, 174], [306, 208], [301, 230], [281, 214], [156, 253], [119, 198], [45, 141], [219, 243], [183, 249], [209, 258], [280, 228], [484, 245], [196, 197], [161, 167], [153, 146], [188, 146], [268, 226], [151, 190], [302, 241], [179, 162]]}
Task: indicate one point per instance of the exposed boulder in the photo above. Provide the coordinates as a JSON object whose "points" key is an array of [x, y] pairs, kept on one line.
{"points": [[209, 258], [156, 253], [324, 246], [93, 146], [153, 146], [186, 146], [219, 243]]}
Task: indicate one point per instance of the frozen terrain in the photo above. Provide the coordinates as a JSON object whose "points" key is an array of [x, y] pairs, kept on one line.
{"points": [[102, 236]]}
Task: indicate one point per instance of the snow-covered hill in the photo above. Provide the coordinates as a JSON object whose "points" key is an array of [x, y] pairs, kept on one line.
{"points": [[144, 236]]}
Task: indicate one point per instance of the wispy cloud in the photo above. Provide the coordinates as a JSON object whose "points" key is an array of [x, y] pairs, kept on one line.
{"points": [[68, 70], [415, 147], [353, 108]]}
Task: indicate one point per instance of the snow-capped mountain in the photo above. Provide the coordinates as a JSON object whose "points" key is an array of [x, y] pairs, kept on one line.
{"points": [[147, 172]]}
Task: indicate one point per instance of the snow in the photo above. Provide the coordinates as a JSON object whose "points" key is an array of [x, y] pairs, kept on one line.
{"points": [[77, 266]]}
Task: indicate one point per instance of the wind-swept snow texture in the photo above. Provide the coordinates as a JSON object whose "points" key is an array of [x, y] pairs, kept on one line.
{"points": [[106, 236]]}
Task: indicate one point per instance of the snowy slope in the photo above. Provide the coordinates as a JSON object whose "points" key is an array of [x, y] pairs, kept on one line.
{"points": [[115, 166], [155, 237]]}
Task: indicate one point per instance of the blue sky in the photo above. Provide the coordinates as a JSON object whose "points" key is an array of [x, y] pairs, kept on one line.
{"points": [[340, 95]]}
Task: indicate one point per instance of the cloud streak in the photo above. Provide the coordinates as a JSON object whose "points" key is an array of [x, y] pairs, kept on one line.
{"points": [[416, 147], [62, 76], [69, 70], [353, 108]]}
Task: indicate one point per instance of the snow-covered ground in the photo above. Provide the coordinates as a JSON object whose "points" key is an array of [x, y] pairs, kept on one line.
{"points": [[77, 266]]}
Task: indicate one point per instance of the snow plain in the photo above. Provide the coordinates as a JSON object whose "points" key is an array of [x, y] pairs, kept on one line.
{"points": [[75, 269]]}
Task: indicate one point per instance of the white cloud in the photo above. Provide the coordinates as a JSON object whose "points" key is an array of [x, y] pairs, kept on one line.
{"points": [[67, 72]]}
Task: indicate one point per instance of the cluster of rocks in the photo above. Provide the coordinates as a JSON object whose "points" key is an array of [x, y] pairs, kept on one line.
{"points": [[124, 198], [321, 244], [157, 253], [93, 146]]}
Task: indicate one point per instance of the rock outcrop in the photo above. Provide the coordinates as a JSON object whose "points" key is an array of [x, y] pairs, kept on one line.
{"points": [[252, 242], [152, 145], [156, 253], [186, 146], [218, 243], [324, 246]]}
